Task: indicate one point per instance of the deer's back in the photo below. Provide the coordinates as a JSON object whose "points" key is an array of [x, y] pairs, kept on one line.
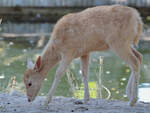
{"points": [[91, 29]]}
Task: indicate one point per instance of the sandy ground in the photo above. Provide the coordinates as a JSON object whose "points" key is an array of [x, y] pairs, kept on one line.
{"points": [[17, 103]]}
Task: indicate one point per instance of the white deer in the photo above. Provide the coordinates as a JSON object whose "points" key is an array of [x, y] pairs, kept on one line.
{"points": [[99, 28]]}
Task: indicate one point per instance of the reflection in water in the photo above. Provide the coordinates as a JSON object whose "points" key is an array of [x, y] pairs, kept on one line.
{"points": [[2, 76], [144, 92]]}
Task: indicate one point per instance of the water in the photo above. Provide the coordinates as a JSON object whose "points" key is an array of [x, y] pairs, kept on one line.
{"points": [[114, 72]]}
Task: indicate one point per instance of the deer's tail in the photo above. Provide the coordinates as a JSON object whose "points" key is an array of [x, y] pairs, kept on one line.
{"points": [[139, 30]]}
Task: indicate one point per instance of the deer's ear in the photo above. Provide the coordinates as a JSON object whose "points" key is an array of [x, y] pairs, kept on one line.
{"points": [[38, 64], [30, 64]]}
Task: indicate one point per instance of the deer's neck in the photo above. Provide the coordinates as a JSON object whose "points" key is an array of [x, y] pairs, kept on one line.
{"points": [[49, 59]]}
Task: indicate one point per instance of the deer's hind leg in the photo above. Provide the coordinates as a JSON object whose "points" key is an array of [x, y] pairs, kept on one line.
{"points": [[140, 59], [133, 60], [138, 55]]}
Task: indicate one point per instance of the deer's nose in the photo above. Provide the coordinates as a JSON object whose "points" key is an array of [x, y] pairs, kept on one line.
{"points": [[29, 100]]}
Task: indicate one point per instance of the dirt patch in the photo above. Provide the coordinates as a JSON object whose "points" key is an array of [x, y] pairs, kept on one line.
{"points": [[17, 103]]}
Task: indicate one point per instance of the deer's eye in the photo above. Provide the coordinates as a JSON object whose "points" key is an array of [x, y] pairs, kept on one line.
{"points": [[29, 84]]}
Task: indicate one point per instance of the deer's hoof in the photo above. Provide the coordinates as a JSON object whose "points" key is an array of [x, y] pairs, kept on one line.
{"points": [[47, 101], [86, 101], [132, 102]]}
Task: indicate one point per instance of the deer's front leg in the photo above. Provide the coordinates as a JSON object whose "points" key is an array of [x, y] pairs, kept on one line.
{"points": [[84, 66], [64, 63]]}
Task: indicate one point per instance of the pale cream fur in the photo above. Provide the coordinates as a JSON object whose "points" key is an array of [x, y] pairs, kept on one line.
{"points": [[78, 34]]}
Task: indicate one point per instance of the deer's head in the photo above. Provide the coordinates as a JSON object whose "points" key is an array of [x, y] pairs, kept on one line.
{"points": [[33, 79]]}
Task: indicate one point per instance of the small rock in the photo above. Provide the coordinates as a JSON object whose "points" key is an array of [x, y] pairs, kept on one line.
{"points": [[81, 109], [78, 102]]}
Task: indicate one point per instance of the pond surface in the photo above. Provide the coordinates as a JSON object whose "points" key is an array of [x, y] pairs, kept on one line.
{"points": [[112, 75]]}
